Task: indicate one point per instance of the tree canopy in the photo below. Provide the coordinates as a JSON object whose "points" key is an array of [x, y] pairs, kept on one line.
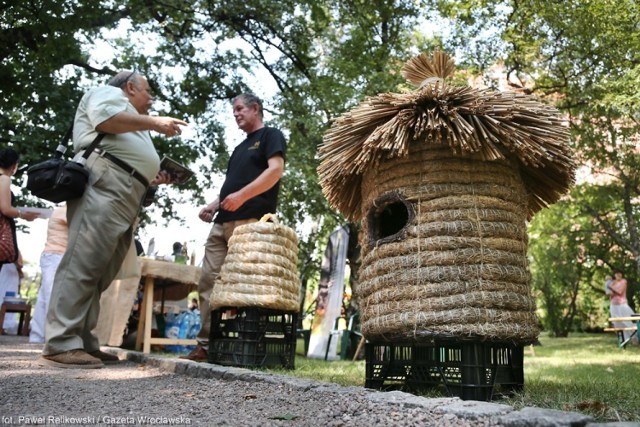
{"points": [[319, 58], [583, 57]]}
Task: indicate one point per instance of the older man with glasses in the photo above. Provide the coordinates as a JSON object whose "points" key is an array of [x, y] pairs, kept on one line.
{"points": [[101, 222]]}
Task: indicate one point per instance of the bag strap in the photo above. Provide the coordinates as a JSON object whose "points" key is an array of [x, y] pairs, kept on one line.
{"points": [[91, 147], [87, 152]]}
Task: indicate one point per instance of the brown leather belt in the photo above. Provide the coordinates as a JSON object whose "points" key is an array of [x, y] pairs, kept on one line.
{"points": [[123, 165]]}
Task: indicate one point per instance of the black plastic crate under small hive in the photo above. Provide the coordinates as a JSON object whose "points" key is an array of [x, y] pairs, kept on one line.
{"points": [[471, 371], [252, 337]]}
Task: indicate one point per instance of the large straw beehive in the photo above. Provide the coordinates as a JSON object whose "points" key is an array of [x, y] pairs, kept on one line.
{"points": [[443, 180], [260, 269]]}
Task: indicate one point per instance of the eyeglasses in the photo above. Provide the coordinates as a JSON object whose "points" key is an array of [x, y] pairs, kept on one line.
{"points": [[128, 77]]}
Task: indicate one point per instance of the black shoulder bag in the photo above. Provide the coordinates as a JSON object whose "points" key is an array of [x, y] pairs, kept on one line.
{"points": [[57, 179]]}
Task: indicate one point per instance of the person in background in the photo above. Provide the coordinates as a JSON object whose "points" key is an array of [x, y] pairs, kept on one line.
{"points": [[9, 160], [177, 249], [619, 306], [54, 248], [11, 274], [250, 190], [102, 221]]}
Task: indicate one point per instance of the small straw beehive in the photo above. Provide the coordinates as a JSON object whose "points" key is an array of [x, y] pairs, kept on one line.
{"points": [[260, 269], [444, 179]]}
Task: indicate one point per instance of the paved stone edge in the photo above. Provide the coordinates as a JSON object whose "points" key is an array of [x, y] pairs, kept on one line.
{"points": [[499, 414]]}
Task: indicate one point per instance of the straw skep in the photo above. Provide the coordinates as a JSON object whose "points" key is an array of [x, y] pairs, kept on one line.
{"points": [[260, 269], [443, 179]]}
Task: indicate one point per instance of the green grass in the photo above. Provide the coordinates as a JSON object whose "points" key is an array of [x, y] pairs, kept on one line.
{"points": [[584, 373]]}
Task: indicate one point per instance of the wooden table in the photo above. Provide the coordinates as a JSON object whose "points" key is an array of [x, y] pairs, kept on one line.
{"points": [[179, 280], [622, 343], [23, 310]]}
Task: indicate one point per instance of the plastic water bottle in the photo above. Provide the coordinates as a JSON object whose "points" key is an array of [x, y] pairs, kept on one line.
{"points": [[172, 330], [195, 325], [183, 323], [151, 249]]}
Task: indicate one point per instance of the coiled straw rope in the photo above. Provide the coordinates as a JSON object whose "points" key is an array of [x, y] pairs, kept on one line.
{"points": [[260, 269], [460, 269]]}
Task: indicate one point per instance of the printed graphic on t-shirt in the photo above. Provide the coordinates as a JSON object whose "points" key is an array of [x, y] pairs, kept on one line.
{"points": [[255, 146]]}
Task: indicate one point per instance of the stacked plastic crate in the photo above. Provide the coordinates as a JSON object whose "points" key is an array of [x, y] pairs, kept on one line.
{"points": [[252, 337], [256, 300], [469, 370]]}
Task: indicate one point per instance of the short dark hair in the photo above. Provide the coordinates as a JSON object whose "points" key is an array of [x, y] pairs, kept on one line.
{"points": [[617, 270], [121, 79], [8, 157], [250, 99]]}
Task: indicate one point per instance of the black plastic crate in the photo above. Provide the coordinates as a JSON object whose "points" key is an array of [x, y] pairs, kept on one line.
{"points": [[267, 352], [252, 337], [252, 323], [471, 371]]}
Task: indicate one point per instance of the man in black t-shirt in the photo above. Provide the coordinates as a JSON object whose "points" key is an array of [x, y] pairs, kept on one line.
{"points": [[250, 190]]}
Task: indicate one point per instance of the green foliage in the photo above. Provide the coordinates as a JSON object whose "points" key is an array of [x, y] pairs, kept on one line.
{"points": [[571, 47], [562, 268], [573, 245], [582, 57], [29, 288]]}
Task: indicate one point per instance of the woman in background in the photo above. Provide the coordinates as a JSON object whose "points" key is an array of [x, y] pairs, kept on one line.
{"points": [[57, 234], [619, 305], [10, 279], [9, 159]]}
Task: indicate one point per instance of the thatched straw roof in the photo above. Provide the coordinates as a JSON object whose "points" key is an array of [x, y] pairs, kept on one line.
{"points": [[495, 125]]}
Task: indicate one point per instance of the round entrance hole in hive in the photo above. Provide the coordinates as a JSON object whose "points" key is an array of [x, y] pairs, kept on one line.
{"points": [[388, 217]]}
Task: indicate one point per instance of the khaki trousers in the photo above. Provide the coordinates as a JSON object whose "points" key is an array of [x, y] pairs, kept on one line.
{"points": [[100, 233], [215, 251]]}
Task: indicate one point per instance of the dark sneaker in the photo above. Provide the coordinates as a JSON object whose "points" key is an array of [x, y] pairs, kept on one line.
{"points": [[107, 359], [198, 354], [72, 359]]}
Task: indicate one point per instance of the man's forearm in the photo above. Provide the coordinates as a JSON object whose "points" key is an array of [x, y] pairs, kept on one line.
{"points": [[215, 205], [262, 183], [126, 122]]}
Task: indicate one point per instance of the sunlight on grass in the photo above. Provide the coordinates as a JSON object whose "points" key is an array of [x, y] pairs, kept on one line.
{"points": [[341, 372], [583, 373]]}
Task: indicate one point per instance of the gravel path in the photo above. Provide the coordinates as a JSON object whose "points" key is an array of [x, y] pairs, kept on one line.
{"points": [[147, 390]]}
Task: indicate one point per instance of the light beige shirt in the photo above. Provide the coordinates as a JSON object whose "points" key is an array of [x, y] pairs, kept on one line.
{"points": [[135, 148], [57, 231]]}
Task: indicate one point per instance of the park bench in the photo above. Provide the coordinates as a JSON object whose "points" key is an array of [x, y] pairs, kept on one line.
{"points": [[622, 342]]}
